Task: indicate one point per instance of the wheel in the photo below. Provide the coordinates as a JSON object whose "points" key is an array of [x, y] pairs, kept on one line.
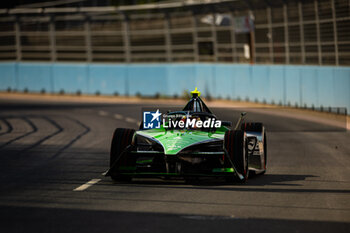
{"points": [[236, 147], [265, 152], [121, 139], [259, 128]]}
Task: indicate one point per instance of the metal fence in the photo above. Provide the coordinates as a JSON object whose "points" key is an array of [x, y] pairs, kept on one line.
{"points": [[291, 32]]}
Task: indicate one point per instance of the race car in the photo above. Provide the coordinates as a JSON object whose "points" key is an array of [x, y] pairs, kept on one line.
{"points": [[171, 151]]}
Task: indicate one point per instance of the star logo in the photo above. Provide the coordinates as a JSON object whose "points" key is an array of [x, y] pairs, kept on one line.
{"points": [[156, 115]]}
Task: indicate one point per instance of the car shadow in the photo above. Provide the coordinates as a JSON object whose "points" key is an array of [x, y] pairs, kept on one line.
{"points": [[255, 180], [274, 183]]}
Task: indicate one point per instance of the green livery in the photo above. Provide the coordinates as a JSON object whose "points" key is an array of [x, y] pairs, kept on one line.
{"points": [[173, 141]]}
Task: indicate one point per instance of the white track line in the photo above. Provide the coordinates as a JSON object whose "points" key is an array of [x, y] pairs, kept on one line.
{"points": [[87, 185], [127, 119], [130, 120], [118, 116], [103, 113]]}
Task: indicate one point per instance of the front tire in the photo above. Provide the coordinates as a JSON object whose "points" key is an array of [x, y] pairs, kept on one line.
{"points": [[121, 140], [236, 146], [258, 127]]}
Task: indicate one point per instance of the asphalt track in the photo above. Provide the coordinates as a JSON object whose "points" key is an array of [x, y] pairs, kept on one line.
{"points": [[50, 149]]}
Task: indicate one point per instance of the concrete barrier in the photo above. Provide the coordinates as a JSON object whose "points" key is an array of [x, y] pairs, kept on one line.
{"points": [[304, 86]]}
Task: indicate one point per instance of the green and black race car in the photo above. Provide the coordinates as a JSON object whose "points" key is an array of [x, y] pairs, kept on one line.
{"points": [[189, 151]]}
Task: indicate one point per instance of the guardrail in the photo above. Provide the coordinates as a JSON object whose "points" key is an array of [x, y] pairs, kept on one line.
{"points": [[301, 86]]}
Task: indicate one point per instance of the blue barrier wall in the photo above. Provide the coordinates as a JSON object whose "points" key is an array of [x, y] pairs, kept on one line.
{"points": [[277, 84]]}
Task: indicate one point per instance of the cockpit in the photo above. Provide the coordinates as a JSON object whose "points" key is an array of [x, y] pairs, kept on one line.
{"points": [[195, 115], [196, 104]]}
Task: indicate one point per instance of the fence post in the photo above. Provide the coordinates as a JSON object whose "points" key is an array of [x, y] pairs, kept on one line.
{"points": [[252, 42], [215, 44], [335, 34], [126, 38], [167, 37], [269, 22], [88, 39], [286, 34], [301, 28], [195, 38], [319, 51], [233, 38], [52, 37], [18, 40]]}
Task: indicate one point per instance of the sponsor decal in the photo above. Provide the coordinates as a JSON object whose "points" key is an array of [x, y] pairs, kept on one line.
{"points": [[194, 123], [151, 120]]}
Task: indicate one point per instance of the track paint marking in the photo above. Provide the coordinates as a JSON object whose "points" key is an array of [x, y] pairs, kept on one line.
{"points": [[130, 120], [87, 185], [118, 116], [103, 113]]}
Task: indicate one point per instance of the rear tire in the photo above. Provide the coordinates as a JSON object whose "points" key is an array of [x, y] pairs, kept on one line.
{"points": [[265, 152], [259, 128], [236, 147], [121, 139]]}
